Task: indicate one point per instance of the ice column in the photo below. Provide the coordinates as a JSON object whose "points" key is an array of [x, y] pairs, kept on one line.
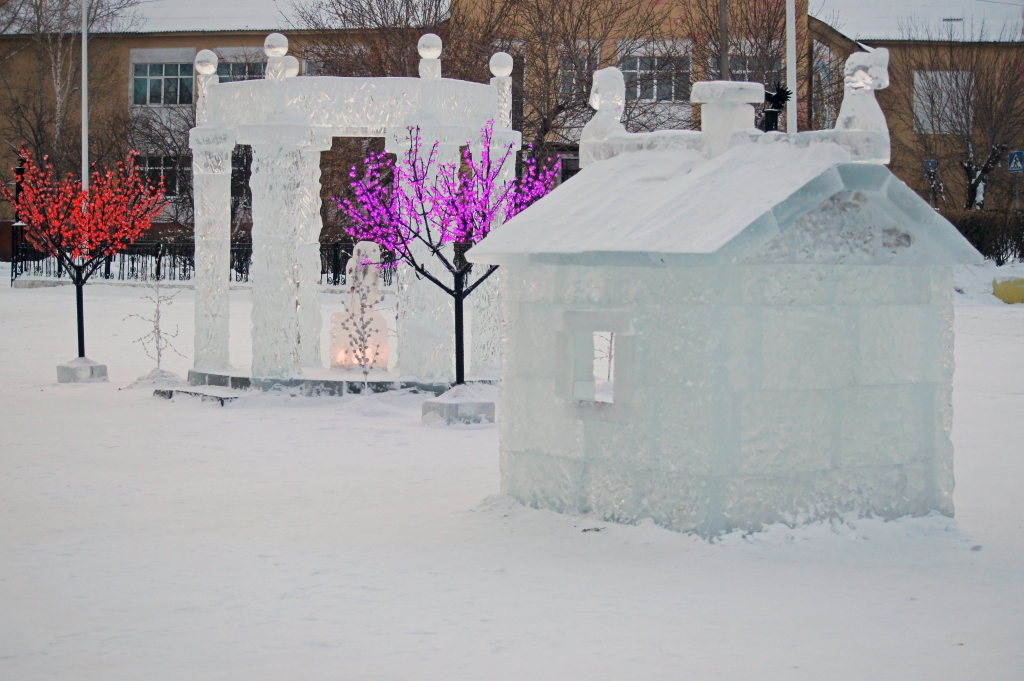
{"points": [[426, 314], [501, 68], [276, 183], [310, 226], [484, 318], [211, 177]]}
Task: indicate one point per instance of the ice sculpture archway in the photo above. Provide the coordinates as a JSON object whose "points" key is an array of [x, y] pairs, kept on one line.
{"points": [[288, 121]]}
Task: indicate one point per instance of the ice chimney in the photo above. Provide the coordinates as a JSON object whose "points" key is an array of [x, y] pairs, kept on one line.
{"points": [[726, 106]]}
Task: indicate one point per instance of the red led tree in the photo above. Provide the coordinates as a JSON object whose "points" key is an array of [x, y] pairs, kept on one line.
{"points": [[81, 229]]}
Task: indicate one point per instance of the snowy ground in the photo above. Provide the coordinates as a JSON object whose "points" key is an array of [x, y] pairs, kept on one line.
{"points": [[298, 538]]}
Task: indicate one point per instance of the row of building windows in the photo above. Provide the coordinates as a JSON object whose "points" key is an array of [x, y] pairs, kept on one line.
{"points": [[660, 79], [165, 84]]}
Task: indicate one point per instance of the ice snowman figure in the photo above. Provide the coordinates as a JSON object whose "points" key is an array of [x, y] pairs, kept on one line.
{"points": [[359, 334], [864, 74]]}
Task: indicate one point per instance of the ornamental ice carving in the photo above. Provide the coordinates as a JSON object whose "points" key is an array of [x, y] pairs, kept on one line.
{"points": [[289, 120]]}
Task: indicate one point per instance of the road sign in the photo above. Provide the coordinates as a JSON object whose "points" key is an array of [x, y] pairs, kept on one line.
{"points": [[1017, 161], [931, 165]]}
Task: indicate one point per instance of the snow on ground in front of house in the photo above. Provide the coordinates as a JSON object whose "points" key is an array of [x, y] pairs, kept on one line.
{"points": [[336, 538]]}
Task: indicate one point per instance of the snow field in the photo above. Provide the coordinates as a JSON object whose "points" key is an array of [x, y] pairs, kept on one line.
{"points": [[311, 538]]}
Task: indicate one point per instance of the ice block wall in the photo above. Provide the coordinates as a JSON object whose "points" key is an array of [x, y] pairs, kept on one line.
{"points": [[742, 395]]}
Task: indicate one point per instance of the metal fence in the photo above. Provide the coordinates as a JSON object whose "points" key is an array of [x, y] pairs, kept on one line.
{"points": [[175, 261]]}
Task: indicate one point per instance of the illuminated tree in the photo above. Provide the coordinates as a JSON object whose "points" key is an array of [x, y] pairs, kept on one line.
{"points": [[82, 229], [417, 206]]}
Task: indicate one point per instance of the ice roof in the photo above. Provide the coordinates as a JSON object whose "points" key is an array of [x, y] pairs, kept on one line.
{"points": [[159, 16], [678, 208], [892, 20]]}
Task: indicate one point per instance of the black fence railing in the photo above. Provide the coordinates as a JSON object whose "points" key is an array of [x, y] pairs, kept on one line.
{"points": [[175, 261]]}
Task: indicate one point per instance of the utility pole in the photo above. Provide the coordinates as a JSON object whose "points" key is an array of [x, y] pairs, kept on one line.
{"points": [[85, 96], [791, 66], [723, 41]]}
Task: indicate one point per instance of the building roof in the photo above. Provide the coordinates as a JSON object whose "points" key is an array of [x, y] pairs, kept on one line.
{"points": [[168, 16], [900, 19], [768, 201]]}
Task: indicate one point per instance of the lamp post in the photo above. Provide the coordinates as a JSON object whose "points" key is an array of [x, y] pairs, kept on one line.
{"points": [[85, 96], [723, 41], [791, 65]]}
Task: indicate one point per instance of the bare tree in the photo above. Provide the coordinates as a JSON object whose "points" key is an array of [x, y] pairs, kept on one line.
{"points": [[557, 45], [369, 37], [40, 74], [158, 338], [163, 133], [757, 41], [561, 43], [959, 102]]}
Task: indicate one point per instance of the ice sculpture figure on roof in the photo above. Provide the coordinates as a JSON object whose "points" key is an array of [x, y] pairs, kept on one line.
{"points": [[865, 72], [779, 309], [288, 121]]}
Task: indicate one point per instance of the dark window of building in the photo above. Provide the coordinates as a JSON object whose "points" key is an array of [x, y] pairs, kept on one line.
{"points": [[161, 84], [661, 79], [233, 72]]}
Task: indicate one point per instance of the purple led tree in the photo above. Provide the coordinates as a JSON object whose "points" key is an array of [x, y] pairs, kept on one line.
{"points": [[415, 207]]}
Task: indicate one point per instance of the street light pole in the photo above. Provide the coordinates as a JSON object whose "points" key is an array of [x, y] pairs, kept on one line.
{"points": [[791, 65], [723, 41], [85, 96]]}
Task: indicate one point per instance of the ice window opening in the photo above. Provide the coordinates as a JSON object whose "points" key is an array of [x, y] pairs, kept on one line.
{"points": [[604, 366]]}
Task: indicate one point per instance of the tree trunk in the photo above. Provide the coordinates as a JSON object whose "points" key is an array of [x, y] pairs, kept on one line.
{"points": [[79, 286], [460, 352]]}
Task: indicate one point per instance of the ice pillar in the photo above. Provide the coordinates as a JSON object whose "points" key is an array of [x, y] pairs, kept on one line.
{"points": [[276, 184], [484, 318], [425, 325], [308, 252], [211, 177]]}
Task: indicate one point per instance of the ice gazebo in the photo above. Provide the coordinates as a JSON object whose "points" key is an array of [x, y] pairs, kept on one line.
{"points": [[781, 321], [289, 120]]}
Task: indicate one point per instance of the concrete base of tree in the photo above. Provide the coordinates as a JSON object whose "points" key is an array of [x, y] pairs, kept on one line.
{"points": [[81, 370], [462, 404]]}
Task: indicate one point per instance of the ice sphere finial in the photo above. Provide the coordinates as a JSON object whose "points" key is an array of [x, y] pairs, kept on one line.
{"points": [[206, 66], [276, 45], [501, 68], [429, 46], [291, 66], [206, 62], [501, 65]]}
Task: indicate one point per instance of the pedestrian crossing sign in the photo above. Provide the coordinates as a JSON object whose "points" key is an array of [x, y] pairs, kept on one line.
{"points": [[1017, 161]]}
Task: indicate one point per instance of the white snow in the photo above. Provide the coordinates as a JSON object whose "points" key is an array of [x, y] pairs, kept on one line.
{"points": [[161, 16], [292, 538], [888, 20]]}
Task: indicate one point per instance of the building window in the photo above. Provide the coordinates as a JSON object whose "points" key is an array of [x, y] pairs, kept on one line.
{"points": [[747, 68], [162, 84], [944, 102], [240, 70], [174, 171], [572, 76], [662, 79]]}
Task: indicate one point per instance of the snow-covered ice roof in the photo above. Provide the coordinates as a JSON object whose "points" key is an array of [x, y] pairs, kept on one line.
{"points": [[165, 16], [679, 208], [891, 20]]}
